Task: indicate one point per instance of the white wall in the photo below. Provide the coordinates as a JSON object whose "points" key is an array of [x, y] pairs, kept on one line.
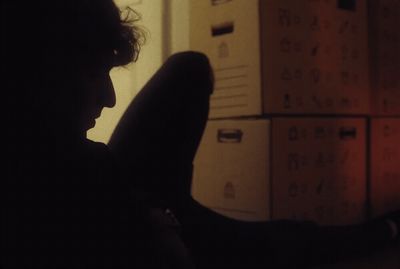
{"points": [[179, 29]]}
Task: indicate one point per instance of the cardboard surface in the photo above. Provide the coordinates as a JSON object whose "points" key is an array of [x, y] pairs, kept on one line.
{"points": [[229, 34], [385, 165], [315, 57], [319, 170], [284, 56], [385, 57], [231, 174], [314, 169]]}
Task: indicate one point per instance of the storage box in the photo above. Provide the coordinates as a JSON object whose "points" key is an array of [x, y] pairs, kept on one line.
{"points": [[385, 57], [284, 56], [284, 168], [385, 165], [319, 169], [232, 169]]}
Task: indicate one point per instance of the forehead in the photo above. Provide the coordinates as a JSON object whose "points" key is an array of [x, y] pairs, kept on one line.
{"points": [[99, 58]]}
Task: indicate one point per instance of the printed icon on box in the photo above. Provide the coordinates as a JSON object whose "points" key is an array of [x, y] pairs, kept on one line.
{"points": [[354, 29], [330, 131], [344, 186], [315, 75], [293, 190], [355, 54], [385, 12], [304, 161], [356, 102], [304, 133], [356, 78], [386, 130], [385, 104], [331, 158], [345, 102], [286, 75], [320, 186], [293, 162], [298, 74], [344, 26], [326, 25], [299, 101], [223, 50], [319, 132], [315, 25], [328, 77], [345, 77], [345, 52], [320, 161], [329, 102], [328, 50], [320, 212], [285, 44], [303, 189], [317, 101], [346, 208], [389, 154], [344, 157], [296, 20], [229, 191], [293, 133], [297, 46], [284, 17], [314, 50], [287, 102]]}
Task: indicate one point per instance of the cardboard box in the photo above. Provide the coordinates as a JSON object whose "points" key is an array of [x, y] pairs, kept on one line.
{"points": [[385, 165], [284, 56], [232, 168], [385, 57], [284, 168], [319, 169]]}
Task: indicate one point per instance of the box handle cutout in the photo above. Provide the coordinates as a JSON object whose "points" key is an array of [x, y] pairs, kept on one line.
{"points": [[229, 136], [219, 2], [347, 133], [349, 5], [222, 29]]}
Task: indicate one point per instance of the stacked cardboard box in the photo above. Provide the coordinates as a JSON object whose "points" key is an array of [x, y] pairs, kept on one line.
{"points": [[284, 168], [385, 57], [385, 117], [384, 165], [291, 57], [296, 74]]}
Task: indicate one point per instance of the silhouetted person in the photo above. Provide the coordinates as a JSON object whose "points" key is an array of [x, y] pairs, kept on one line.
{"points": [[72, 203]]}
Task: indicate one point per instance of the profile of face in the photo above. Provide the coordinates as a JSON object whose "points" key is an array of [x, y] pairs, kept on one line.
{"points": [[96, 93], [71, 52]]}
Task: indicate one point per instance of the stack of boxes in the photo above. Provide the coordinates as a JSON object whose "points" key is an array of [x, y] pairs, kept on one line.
{"points": [[288, 129], [385, 107]]}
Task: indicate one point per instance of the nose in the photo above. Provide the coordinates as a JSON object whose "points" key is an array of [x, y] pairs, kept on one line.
{"points": [[108, 93]]}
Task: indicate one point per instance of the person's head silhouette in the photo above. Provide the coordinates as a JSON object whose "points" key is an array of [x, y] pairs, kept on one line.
{"points": [[59, 54]]}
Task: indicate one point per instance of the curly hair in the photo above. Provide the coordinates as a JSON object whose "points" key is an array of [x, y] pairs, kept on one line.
{"points": [[132, 38], [99, 24], [46, 44]]}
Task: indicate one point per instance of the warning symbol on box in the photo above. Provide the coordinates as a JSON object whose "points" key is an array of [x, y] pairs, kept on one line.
{"points": [[223, 50], [286, 75], [229, 191]]}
